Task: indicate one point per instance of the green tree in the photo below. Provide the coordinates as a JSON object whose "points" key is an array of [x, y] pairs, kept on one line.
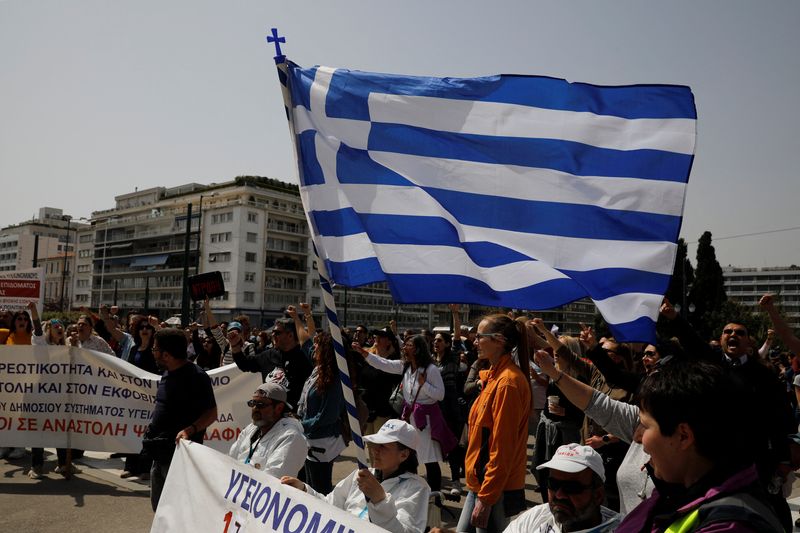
{"points": [[708, 290]]}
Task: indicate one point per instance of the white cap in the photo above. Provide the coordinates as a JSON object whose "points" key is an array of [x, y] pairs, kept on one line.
{"points": [[273, 391], [395, 430], [573, 458]]}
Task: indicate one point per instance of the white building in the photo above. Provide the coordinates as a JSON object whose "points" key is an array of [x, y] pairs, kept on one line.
{"points": [[748, 285], [252, 230]]}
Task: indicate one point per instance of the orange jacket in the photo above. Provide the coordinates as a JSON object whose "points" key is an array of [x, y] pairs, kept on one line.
{"points": [[498, 432], [19, 338]]}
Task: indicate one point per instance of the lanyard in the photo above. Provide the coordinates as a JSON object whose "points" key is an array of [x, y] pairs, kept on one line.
{"points": [[253, 446]]}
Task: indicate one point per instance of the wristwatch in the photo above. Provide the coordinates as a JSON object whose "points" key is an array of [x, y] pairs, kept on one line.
{"points": [[606, 438]]}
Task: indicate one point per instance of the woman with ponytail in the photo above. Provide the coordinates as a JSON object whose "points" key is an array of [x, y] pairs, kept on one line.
{"points": [[498, 428]]}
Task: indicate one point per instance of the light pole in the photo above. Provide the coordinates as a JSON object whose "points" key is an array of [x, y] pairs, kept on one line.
{"points": [[103, 264], [64, 266], [200, 230]]}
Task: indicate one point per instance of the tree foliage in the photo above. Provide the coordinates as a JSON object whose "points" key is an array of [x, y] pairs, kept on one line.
{"points": [[708, 290]]}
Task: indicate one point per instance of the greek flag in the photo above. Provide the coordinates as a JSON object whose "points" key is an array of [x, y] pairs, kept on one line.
{"points": [[513, 191]]}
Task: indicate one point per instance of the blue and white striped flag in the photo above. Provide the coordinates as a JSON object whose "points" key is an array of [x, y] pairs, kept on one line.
{"points": [[513, 191]]}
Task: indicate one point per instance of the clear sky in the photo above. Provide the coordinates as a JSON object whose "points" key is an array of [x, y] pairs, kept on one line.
{"points": [[99, 97]]}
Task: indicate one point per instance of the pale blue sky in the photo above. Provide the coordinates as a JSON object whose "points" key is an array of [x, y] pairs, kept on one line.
{"points": [[98, 97]]}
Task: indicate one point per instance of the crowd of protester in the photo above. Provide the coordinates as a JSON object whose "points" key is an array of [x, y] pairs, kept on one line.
{"points": [[685, 434]]}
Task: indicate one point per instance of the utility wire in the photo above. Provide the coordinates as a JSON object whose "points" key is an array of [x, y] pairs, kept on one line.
{"points": [[748, 234]]}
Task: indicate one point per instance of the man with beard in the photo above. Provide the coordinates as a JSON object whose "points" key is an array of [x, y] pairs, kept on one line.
{"points": [[274, 442], [575, 496], [185, 406]]}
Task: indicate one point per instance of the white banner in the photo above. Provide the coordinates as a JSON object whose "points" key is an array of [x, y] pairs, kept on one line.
{"points": [[208, 491], [57, 396], [20, 287]]}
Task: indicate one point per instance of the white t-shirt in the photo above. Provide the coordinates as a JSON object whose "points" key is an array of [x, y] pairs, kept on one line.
{"points": [[540, 520]]}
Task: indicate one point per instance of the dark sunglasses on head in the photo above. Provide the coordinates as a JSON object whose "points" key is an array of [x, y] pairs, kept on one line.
{"points": [[739, 331], [569, 486], [258, 405]]}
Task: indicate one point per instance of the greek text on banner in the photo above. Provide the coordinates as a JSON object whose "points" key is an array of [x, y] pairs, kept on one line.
{"points": [[57, 396], [238, 498]]}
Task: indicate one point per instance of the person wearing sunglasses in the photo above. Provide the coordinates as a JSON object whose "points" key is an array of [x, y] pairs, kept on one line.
{"points": [[497, 448], [21, 329], [575, 496], [274, 441], [84, 337], [284, 360]]}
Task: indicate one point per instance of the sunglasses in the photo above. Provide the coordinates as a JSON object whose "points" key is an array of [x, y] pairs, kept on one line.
{"points": [[650, 353], [739, 331], [570, 487], [498, 336], [258, 405]]}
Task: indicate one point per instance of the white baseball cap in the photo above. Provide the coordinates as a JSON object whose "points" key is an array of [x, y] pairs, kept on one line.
{"points": [[273, 391], [573, 458], [395, 430]]}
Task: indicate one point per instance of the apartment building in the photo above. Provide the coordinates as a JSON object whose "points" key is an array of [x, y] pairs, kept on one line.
{"points": [[252, 230], [19, 245], [747, 285]]}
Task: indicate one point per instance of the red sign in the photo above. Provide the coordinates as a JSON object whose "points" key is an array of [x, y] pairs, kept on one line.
{"points": [[13, 288]]}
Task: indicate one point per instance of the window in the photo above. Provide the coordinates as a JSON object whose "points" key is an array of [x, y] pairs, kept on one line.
{"points": [[249, 296], [81, 297], [249, 257], [222, 298], [84, 268], [252, 217], [82, 283], [221, 218], [226, 276], [85, 238], [250, 276], [315, 283], [251, 237], [221, 237], [220, 257], [85, 253]]}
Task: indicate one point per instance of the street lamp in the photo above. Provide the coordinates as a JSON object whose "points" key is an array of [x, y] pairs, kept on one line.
{"points": [[200, 230], [64, 267]]}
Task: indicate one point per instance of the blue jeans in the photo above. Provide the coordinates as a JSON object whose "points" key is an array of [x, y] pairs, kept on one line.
{"points": [[497, 517]]}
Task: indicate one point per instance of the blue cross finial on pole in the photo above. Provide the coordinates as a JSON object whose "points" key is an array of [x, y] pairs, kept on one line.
{"points": [[277, 40]]}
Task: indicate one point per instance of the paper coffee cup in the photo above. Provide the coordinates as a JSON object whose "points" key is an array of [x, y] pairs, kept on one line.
{"points": [[553, 401]]}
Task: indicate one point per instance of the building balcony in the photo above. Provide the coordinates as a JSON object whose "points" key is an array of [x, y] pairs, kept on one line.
{"points": [[281, 228]]}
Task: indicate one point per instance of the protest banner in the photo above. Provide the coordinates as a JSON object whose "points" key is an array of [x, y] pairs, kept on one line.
{"points": [[20, 287], [57, 396], [237, 498]]}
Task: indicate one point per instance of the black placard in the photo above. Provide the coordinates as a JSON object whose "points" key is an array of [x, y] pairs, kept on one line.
{"points": [[208, 284]]}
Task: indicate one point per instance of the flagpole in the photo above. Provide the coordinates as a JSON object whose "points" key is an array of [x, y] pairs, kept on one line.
{"points": [[327, 291], [341, 361]]}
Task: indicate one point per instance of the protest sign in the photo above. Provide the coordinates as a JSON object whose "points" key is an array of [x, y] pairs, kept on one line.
{"points": [[20, 287], [237, 498], [57, 396]]}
